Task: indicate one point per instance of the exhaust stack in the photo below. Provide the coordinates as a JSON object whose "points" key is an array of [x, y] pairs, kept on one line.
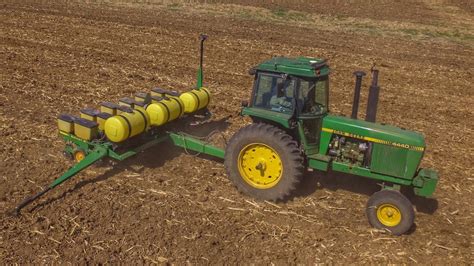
{"points": [[358, 83], [373, 97]]}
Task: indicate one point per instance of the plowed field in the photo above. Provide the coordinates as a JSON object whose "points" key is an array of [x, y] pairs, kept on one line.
{"points": [[166, 206]]}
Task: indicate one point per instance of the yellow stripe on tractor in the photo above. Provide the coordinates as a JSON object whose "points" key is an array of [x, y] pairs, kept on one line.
{"points": [[374, 140]]}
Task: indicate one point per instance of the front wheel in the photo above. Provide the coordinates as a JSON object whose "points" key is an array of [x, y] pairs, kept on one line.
{"points": [[390, 210], [264, 162]]}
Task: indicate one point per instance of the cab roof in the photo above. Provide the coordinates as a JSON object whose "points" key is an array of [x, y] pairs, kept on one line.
{"points": [[299, 66]]}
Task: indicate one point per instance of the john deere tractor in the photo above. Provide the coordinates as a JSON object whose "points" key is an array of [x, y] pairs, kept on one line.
{"points": [[293, 130]]}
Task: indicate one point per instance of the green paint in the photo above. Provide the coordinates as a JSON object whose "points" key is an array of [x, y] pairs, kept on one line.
{"points": [[395, 161], [324, 142], [97, 150], [374, 130], [396, 153], [361, 171], [318, 164], [300, 66], [94, 155], [81, 144], [188, 142], [309, 147], [199, 78], [395, 158], [282, 119], [387, 160], [425, 182], [152, 142]]}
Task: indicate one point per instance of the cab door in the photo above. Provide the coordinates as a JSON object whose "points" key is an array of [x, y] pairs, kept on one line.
{"points": [[312, 102]]}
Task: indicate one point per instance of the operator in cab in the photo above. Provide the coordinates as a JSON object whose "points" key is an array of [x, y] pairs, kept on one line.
{"points": [[281, 101]]}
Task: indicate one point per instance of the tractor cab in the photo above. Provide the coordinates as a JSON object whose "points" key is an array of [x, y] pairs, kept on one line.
{"points": [[292, 93]]}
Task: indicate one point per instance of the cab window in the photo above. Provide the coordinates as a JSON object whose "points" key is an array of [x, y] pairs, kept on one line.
{"points": [[314, 95], [274, 93]]}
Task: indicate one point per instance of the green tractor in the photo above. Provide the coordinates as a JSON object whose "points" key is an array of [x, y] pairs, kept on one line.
{"points": [[293, 130]]}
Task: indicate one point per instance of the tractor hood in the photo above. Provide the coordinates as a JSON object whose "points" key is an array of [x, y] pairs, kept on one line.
{"points": [[374, 132]]}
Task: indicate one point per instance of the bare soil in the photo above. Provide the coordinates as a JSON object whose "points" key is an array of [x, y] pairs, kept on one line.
{"points": [[166, 206]]}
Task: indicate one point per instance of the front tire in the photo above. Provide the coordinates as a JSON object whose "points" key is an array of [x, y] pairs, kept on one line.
{"points": [[390, 210], [264, 162]]}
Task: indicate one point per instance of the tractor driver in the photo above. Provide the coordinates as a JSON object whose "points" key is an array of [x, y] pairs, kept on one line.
{"points": [[280, 101]]}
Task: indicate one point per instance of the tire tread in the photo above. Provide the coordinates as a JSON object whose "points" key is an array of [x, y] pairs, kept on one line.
{"points": [[294, 168]]}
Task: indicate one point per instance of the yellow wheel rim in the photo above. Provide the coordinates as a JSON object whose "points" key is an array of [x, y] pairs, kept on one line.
{"points": [[79, 156], [389, 215], [260, 166]]}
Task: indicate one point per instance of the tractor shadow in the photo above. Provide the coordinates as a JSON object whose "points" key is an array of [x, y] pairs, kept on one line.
{"points": [[335, 181], [424, 205], [152, 158]]}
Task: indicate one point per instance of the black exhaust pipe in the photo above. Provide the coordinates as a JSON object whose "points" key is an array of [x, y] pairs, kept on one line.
{"points": [[355, 104], [373, 97]]}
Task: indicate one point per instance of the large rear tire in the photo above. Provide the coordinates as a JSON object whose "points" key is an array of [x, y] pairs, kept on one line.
{"points": [[264, 162]]}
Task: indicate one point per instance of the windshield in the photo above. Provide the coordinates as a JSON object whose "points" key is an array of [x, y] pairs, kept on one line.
{"points": [[275, 93], [314, 95]]}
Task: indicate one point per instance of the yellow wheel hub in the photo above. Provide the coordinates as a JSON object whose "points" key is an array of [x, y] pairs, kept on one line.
{"points": [[260, 165], [79, 156], [389, 215]]}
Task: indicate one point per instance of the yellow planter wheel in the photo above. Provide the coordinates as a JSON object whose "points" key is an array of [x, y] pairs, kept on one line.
{"points": [[390, 210], [79, 155], [264, 162]]}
